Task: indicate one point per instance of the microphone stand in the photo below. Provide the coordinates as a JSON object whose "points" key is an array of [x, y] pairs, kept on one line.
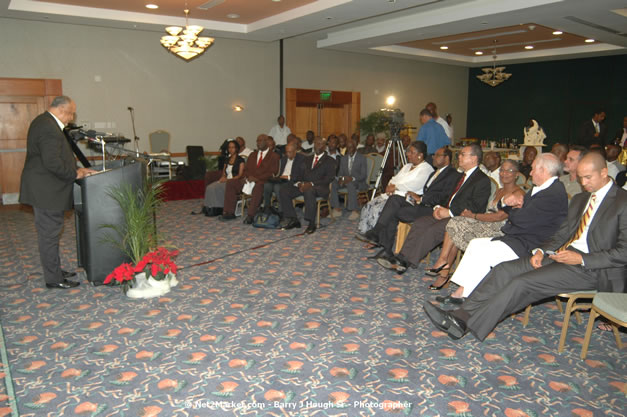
{"points": [[132, 111]]}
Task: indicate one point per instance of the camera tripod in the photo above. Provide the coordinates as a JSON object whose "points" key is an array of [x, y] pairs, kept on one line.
{"points": [[395, 147]]}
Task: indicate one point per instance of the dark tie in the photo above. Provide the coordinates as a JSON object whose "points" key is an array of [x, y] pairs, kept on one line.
{"points": [[457, 187]]}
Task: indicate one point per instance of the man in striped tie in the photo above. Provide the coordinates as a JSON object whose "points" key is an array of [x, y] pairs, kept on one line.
{"points": [[588, 252]]}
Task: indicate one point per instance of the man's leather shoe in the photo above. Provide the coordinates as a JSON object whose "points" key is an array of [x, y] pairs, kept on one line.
{"points": [[388, 262], [368, 237], [227, 216], [68, 274], [311, 228], [248, 220], [449, 300], [292, 224], [65, 284], [445, 321]]}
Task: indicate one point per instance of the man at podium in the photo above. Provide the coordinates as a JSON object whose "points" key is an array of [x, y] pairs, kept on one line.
{"points": [[46, 184]]}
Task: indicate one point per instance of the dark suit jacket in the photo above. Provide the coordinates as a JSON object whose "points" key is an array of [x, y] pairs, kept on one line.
{"points": [[359, 170], [50, 169], [322, 174], [473, 195], [537, 220], [607, 238], [440, 190], [587, 131], [298, 167], [269, 166]]}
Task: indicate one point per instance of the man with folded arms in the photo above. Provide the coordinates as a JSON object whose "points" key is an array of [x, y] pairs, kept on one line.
{"points": [[588, 252], [260, 166], [471, 192], [319, 172], [531, 221]]}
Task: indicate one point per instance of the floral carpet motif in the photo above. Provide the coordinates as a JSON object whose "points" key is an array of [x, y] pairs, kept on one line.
{"points": [[276, 323]]}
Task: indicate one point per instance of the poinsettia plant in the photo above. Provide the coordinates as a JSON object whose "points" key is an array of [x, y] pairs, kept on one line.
{"points": [[156, 264]]}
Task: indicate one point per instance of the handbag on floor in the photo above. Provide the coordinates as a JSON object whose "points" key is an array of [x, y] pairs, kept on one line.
{"points": [[266, 220]]}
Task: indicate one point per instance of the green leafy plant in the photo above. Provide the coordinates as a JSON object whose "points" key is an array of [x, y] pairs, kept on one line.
{"points": [[211, 162], [374, 123]]}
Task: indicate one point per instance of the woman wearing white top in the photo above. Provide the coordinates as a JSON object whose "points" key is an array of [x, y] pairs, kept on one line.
{"points": [[214, 193], [412, 177]]}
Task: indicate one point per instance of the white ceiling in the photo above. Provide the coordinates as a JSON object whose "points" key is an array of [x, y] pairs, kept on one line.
{"points": [[378, 26]]}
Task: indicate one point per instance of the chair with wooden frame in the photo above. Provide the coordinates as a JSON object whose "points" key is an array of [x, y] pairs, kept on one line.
{"points": [[612, 306]]}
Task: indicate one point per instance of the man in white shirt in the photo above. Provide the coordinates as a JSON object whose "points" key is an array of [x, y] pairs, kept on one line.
{"points": [[613, 166], [569, 179], [492, 163], [433, 109], [280, 132]]}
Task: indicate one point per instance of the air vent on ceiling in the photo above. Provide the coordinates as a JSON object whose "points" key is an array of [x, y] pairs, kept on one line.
{"points": [[210, 4], [593, 25]]}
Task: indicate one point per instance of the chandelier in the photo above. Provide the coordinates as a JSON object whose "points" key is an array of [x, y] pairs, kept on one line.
{"points": [[494, 75], [187, 45]]}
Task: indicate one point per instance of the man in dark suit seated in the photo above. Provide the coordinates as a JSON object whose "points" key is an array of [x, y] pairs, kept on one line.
{"points": [[46, 185], [291, 170], [588, 252], [471, 192], [319, 172], [260, 166], [437, 191], [593, 131], [531, 221], [352, 177]]}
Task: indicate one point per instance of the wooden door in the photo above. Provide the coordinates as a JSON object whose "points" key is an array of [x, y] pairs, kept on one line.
{"points": [[21, 100]]}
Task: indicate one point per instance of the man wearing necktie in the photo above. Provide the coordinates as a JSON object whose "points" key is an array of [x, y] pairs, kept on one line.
{"points": [[352, 176], [319, 172], [593, 131], [588, 252]]}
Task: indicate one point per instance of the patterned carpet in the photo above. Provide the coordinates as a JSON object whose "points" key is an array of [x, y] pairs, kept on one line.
{"points": [[307, 326]]}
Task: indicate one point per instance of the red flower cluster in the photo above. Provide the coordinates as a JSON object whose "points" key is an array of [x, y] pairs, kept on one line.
{"points": [[157, 264]]}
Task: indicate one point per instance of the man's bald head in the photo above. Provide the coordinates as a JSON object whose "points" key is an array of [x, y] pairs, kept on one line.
{"points": [[592, 172]]}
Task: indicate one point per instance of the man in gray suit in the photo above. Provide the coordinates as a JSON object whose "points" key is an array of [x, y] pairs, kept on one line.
{"points": [[352, 176], [588, 252], [47, 179]]}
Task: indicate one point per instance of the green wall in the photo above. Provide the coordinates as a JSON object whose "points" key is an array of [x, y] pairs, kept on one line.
{"points": [[560, 95]]}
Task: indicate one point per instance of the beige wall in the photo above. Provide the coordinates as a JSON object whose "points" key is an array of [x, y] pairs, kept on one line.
{"points": [[413, 83], [193, 100]]}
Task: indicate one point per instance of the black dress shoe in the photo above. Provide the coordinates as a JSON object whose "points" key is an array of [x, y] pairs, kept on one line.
{"points": [[445, 321], [227, 216], [65, 284], [68, 274], [388, 262], [449, 300], [248, 220], [378, 255], [369, 237], [311, 228], [291, 224]]}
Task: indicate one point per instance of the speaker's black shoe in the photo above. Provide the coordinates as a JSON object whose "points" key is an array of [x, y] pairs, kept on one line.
{"points": [[68, 274], [445, 321], [65, 284], [248, 220], [449, 300], [227, 216], [311, 228], [291, 224], [369, 237], [378, 254]]}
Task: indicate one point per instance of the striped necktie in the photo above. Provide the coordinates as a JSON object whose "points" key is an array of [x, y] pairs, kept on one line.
{"points": [[583, 223], [459, 185]]}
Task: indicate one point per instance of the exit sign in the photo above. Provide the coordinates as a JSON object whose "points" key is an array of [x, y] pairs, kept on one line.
{"points": [[325, 96]]}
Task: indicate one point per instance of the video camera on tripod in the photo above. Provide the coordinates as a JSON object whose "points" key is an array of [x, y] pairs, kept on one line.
{"points": [[395, 122]]}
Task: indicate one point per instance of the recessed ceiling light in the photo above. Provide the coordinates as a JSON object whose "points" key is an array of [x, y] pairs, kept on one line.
{"points": [[276, 1], [478, 53], [329, 17], [232, 15], [152, 6], [444, 47], [589, 40], [557, 32], [529, 47]]}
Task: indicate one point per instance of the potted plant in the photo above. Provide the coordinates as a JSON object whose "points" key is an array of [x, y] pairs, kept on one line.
{"points": [[152, 271], [375, 122]]}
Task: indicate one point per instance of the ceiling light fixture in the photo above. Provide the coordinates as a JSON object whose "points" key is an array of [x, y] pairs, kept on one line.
{"points": [[529, 47], [187, 45], [444, 48], [589, 40], [478, 53], [232, 15], [238, 108], [152, 6], [557, 32], [495, 75]]}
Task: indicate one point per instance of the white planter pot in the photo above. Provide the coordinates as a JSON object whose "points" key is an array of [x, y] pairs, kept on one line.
{"points": [[149, 287]]}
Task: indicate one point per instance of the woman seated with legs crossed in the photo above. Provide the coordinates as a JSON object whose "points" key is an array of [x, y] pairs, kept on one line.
{"points": [[461, 229], [214, 193]]}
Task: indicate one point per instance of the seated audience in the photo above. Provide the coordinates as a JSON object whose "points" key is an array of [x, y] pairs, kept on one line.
{"points": [[560, 150], [471, 193], [381, 143], [431, 133], [492, 164], [529, 154], [591, 254], [214, 192], [307, 144], [352, 177], [411, 178], [318, 173], [215, 175], [260, 166], [332, 143], [341, 143], [368, 147], [613, 166], [460, 230], [291, 170], [243, 150], [569, 179], [532, 219], [406, 141]]}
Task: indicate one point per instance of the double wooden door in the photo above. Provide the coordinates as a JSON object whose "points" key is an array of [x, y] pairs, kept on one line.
{"points": [[21, 100]]}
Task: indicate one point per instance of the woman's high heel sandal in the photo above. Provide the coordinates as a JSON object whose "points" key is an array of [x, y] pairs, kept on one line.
{"points": [[439, 287], [434, 272]]}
